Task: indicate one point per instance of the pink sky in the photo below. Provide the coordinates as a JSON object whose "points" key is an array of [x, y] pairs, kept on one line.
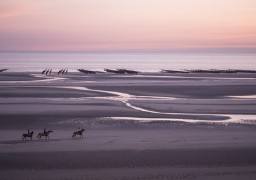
{"points": [[127, 25]]}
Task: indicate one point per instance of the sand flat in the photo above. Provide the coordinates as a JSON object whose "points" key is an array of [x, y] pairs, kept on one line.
{"points": [[147, 126]]}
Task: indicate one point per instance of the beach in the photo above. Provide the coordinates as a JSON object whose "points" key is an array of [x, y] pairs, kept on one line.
{"points": [[144, 126]]}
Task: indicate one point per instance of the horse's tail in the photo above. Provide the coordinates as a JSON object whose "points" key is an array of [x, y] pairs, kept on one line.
{"points": [[74, 134], [23, 137]]}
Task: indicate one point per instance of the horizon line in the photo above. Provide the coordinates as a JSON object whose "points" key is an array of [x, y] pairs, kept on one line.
{"points": [[204, 50]]}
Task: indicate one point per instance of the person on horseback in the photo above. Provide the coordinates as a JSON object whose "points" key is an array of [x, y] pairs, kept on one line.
{"points": [[78, 133], [28, 135]]}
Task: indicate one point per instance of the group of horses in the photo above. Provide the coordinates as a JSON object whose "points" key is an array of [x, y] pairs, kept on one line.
{"points": [[46, 134]]}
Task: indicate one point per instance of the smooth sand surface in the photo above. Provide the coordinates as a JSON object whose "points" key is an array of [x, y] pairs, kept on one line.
{"points": [[147, 164], [165, 173], [131, 139], [146, 126]]}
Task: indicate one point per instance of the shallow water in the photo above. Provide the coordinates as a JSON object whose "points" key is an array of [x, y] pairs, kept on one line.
{"points": [[125, 97], [146, 62]]}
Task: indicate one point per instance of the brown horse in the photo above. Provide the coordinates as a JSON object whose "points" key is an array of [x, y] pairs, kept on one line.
{"points": [[46, 134], [78, 133], [27, 135]]}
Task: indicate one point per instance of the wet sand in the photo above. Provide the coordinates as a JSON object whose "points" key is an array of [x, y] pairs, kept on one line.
{"points": [[146, 126], [125, 164]]}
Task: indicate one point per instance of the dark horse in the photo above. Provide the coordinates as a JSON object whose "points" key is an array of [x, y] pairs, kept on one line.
{"points": [[46, 134], [27, 135], [78, 133]]}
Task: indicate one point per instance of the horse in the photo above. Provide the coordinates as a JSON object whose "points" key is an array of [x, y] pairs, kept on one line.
{"points": [[27, 135], [78, 133], [46, 134]]}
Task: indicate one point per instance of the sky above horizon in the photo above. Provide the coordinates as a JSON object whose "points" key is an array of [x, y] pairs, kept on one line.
{"points": [[155, 25]]}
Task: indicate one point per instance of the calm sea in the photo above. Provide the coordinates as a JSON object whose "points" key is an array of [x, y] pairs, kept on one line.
{"points": [[148, 62]]}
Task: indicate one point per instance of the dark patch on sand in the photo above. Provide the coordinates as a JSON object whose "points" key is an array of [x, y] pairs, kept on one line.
{"points": [[128, 158]]}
